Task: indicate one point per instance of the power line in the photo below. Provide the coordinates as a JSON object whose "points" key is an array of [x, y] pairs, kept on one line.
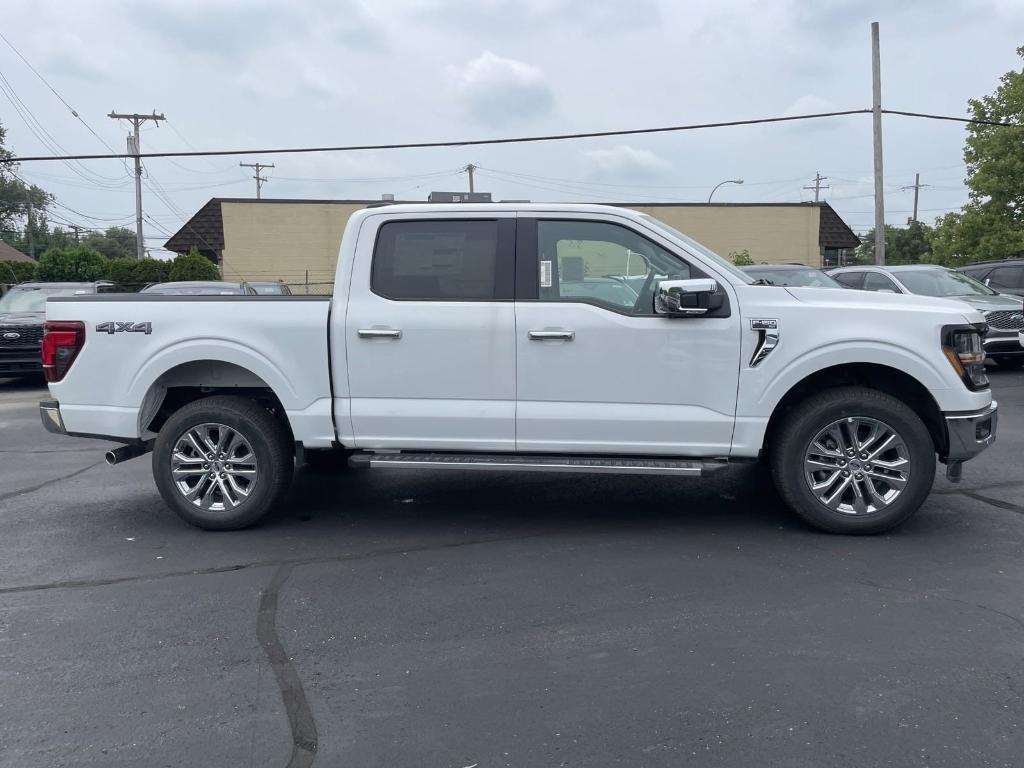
{"points": [[53, 90], [455, 143]]}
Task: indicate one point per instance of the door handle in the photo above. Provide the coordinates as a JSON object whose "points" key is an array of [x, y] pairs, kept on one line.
{"points": [[379, 333], [549, 335]]}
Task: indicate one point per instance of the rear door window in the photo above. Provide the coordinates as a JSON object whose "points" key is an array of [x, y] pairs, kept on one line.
{"points": [[442, 260]]}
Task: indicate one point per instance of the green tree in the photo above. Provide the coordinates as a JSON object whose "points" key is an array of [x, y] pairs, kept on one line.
{"points": [[193, 266], [114, 243], [903, 245], [71, 263], [991, 225], [15, 196], [741, 258], [17, 271]]}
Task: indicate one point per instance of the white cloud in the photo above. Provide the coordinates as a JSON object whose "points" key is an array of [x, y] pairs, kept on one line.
{"points": [[623, 162], [498, 90]]}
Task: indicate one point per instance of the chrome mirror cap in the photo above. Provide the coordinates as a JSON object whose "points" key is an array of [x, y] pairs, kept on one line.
{"points": [[668, 298]]}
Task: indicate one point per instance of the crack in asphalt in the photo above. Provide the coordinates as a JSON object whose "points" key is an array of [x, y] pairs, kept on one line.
{"points": [[296, 705], [1015, 619], [34, 488], [995, 502], [290, 562]]}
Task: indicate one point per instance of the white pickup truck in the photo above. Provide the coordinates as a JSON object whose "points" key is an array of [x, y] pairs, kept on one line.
{"points": [[528, 337]]}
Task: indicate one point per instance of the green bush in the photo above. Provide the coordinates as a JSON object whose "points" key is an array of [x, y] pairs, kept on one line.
{"points": [[134, 274], [193, 266], [121, 271], [17, 271], [741, 258], [74, 262], [151, 271]]}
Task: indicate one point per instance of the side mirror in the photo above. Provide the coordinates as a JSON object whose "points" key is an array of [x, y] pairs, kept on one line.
{"points": [[687, 298]]}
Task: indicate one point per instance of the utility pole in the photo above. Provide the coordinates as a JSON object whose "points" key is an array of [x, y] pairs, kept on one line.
{"points": [[876, 125], [259, 179], [28, 230], [76, 228], [916, 186], [134, 148], [818, 178], [469, 169]]}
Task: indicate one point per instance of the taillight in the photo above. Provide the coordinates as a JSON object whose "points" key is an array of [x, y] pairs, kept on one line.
{"points": [[61, 341]]}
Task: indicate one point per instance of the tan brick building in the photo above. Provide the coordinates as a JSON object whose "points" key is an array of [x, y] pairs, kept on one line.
{"points": [[298, 240]]}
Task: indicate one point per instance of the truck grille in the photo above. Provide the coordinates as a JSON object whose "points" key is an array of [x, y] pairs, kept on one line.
{"points": [[28, 335], [1005, 320]]}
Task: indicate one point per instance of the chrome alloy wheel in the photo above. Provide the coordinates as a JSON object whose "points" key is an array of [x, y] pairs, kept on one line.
{"points": [[857, 465], [214, 467]]}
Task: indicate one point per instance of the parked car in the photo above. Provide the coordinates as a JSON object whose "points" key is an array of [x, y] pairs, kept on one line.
{"points": [[199, 288], [22, 313], [269, 288], [1005, 276], [791, 274], [1004, 314], [451, 343]]}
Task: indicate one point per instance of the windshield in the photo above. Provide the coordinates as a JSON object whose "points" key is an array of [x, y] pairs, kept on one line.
{"points": [[811, 278], [695, 246], [942, 283], [30, 299]]}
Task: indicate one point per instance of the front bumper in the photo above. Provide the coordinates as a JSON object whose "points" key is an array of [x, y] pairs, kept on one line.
{"points": [[22, 360], [970, 433], [1003, 343], [49, 412]]}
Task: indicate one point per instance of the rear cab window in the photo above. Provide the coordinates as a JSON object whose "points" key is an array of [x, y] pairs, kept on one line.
{"points": [[444, 260]]}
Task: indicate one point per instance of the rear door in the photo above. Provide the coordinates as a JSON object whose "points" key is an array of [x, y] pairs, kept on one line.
{"points": [[598, 371], [430, 333]]}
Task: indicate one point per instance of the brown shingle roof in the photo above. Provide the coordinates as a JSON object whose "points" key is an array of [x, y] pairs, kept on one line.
{"points": [[205, 231], [833, 232], [10, 253]]}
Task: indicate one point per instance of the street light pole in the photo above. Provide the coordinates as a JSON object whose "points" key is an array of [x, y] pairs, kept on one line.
{"points": [[727, 181]]}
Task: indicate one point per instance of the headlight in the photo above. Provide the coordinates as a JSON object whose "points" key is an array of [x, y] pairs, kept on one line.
{"points": [[964, 350]]}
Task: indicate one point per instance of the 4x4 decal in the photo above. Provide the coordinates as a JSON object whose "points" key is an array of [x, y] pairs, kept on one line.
{"points": [[129, 327]]}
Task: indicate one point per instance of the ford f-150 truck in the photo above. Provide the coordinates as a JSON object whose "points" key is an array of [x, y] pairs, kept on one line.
{"points": [[528, 337]]}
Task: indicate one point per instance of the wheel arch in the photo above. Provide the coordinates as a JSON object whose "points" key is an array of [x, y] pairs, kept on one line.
{"points": [[193, 380], [884, 378]]}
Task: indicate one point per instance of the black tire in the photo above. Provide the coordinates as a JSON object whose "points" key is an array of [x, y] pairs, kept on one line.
{"points": [[1010, 363], [816, 413], [270, 443]]}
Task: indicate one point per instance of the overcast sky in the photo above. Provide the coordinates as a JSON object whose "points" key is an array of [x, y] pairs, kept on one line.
{"points": [[252, 74]]}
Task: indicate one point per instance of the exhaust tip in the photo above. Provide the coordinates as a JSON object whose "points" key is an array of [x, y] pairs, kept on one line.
{"points": [[110, 457]]}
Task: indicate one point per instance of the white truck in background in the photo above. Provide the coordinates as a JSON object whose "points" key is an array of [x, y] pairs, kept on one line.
{"points": [[528, 337]]}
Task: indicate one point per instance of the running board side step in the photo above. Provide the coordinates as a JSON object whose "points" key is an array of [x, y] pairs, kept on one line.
{"points": [[527, 463]]}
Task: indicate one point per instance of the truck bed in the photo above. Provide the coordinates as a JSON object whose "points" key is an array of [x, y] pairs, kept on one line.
{"points": [[136, 345]]}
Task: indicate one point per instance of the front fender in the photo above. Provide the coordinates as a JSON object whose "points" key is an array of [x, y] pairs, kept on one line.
{"points": [[772, 386]]}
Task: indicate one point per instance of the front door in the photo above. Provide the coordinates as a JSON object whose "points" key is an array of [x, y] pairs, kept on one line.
{"points": [[430, 334], [598, 371]]}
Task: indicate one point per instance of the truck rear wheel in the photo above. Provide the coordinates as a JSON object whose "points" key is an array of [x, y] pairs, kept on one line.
{"points": [[853, 460], [222, 462]]}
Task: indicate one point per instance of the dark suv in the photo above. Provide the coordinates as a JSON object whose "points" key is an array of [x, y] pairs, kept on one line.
{"points": [[22, 313], [1005, 276]]}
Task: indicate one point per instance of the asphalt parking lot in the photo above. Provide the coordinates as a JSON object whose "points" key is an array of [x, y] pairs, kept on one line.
{"points": [[407, 619]]}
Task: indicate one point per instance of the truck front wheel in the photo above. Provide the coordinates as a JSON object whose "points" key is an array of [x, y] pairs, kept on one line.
{"points": [[853, 460], [222, 462]]}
